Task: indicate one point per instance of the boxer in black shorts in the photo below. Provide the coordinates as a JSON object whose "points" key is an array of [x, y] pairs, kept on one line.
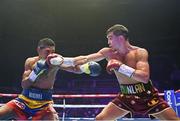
{"points": [[130, 65], [140, 99]]}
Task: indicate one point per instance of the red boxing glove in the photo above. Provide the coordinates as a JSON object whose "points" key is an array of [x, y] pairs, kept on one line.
{"points": [[113, 64], [54, 59]]}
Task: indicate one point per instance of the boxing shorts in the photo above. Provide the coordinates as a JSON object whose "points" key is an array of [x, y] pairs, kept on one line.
{"points": [[140, 99], [30, 102]]}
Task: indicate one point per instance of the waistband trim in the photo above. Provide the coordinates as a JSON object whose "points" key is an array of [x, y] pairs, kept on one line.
{"points": [[135, 88], [37, 94]]}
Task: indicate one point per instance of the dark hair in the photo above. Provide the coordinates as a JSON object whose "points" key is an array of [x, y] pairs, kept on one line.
{"points": [[45, 42], [118, 29]]}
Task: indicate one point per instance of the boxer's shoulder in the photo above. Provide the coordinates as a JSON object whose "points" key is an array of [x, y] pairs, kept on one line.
{"points": [[106, 51], [141, 52], [30, 61]]}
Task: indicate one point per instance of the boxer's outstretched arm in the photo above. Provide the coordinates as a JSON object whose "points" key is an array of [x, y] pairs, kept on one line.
{"points": [[98, 56], [86, 61], [73, 69], [91, 68]]}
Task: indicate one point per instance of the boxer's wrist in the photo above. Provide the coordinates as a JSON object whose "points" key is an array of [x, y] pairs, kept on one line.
{"points": [[113, 65], [38, 70], [68, 61], [33, 76], [126, 70]]}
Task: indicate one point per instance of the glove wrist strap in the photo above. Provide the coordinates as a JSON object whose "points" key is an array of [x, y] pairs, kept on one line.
{"points": [[68, 61], [32, 76], [126, 70]]}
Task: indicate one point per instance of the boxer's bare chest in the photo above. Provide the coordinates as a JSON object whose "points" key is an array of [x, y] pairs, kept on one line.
{"points": [[128, 59], [46, 81]]}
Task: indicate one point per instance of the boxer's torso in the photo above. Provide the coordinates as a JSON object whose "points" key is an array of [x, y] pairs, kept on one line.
{"points": [[130, 59], [47, 80]]}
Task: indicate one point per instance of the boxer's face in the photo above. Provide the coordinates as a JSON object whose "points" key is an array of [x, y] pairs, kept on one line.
{"points": [[45, 51], [115, 42]]}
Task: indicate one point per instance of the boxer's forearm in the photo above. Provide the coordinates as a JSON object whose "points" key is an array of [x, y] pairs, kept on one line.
{"points": [[79, 60], [74, 69], [28, 82], [140, 76]]}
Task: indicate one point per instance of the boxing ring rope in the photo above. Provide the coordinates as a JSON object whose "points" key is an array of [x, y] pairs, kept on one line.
{"points": [[65, 106], [74, 95], [71, 96]]}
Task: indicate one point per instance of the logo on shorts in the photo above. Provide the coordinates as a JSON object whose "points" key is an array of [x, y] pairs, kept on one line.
{"points": [[35, 95], [132, 89], [153, 102], [19, 104]]}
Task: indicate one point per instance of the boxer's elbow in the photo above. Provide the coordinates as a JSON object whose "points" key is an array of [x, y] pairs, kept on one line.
{"points": [[141, 77], [25, 83], [145, 78]]}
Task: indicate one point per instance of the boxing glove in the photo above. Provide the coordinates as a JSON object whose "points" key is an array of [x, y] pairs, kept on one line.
{"points": [[40, 67], [54, 59], [113, 65], [119, 67], [92, 68]]}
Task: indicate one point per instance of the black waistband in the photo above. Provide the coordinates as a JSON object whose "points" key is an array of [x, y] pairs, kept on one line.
{"points": [[135, 88]]}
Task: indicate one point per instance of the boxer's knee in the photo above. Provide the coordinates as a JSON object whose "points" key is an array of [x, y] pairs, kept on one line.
{"points": [[56, 117], [99, 117], [51, 113], [6, 113], [51, 116]]}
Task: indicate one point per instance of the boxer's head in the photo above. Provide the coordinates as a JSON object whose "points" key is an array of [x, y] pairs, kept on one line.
{"points": [[45, 47], [118, 30], [117, 36]]}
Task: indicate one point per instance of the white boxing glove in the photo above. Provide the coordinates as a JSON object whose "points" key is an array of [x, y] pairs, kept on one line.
{"points": [[54, 59]]}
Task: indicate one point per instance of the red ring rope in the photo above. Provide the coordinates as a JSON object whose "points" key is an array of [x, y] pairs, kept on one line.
{"points": [[74, 95]]}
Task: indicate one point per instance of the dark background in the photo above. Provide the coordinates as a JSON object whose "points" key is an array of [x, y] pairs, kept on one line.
{"points": [[78, 27]]}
